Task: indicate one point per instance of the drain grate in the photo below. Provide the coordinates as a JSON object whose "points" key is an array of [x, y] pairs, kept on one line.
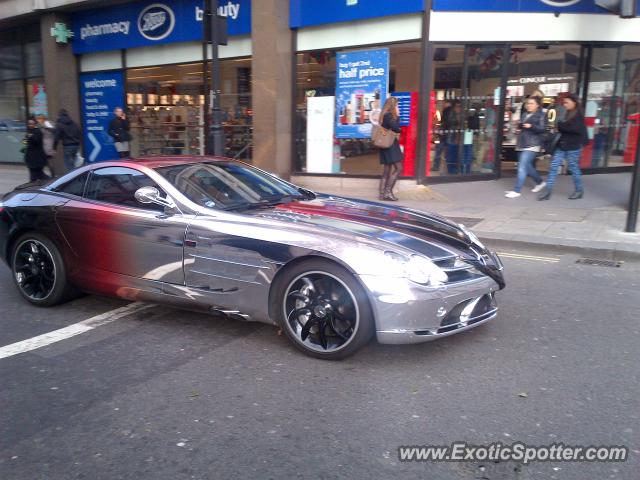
{"points": [[599, 263]]}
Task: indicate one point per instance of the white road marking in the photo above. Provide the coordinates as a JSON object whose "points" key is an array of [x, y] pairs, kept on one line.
{"points": [[530, 257], [71, 331]]}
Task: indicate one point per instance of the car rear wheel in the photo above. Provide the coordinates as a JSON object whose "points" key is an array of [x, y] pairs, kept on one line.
{"points": [[323, 309], [38, 271]]}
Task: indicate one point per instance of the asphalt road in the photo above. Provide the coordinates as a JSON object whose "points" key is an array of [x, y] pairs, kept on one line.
{"points": [[168, 394]]}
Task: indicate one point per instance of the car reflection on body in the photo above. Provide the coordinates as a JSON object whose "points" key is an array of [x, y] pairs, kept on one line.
{"points": [[225, 237]]}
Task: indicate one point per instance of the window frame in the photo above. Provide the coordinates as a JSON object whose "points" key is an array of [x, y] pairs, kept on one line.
{"points": [[117, 205]]}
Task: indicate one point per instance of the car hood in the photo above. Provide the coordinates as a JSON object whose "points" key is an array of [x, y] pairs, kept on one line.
{"points": [[428, 234]]}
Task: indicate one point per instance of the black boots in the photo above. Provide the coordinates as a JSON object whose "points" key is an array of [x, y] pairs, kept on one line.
{"points": [[387, 182], [544, 195], [576, 195], [391, 182], [383, 187]]}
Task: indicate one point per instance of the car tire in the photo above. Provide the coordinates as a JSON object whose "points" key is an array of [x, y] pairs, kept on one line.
{"points": [[38, 271], [322, 309]]}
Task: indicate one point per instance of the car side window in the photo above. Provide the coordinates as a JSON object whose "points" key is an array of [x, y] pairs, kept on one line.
{"points": [[118, 185], [75, 186]]}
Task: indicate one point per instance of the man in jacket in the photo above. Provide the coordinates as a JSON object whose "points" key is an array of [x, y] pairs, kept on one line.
{"points": [[119, 131], [67, 133]]}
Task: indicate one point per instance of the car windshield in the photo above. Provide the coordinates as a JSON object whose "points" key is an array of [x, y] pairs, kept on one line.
{"points": [[228, 186]]}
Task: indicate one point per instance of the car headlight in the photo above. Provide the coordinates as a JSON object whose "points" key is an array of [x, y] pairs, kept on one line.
{"points": [[472, 236], [419, 269]]}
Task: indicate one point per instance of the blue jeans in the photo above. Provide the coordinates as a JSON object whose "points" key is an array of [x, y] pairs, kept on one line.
{"points": [[452, 158], [467, 159], [526, 168], [573, 159], [70, 152], [440, 146]]}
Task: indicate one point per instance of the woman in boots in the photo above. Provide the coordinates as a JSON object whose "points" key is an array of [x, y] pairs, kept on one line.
{"points": [[573, 137], [390, 157]]}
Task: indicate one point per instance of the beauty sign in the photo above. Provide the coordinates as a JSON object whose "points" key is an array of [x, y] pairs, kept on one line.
{"points": [[362, 81]]}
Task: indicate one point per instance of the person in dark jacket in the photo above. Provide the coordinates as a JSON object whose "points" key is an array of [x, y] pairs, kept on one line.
{"points": [[573, 137], [119, 131], [34, 154], [67, 132], [529, 146], [390, 157]]}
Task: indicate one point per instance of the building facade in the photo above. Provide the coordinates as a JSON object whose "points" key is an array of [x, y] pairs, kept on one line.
{"points": [[302, 84]]}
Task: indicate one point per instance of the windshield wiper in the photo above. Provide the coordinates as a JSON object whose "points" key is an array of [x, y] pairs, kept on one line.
{"points": [[267, 203]]}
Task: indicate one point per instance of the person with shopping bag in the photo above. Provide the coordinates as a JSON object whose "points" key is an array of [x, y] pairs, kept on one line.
{"points": [[385, 137]]}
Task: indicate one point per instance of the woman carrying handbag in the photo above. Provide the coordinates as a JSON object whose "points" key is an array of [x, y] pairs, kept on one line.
{"points": [[385, 137], [573, 137]]}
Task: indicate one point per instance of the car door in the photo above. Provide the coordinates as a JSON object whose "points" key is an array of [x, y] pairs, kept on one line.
{"points": [[109, 232]]}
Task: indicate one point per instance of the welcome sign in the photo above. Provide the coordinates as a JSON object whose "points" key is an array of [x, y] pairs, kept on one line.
{"points": [[151, 22], [362, 82]]}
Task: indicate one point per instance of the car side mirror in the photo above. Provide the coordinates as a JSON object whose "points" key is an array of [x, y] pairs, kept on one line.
{"points": [[148, 195], [307, 193]]}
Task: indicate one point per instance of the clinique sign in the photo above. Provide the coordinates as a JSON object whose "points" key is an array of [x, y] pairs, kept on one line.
{"points": [[539, 79]]}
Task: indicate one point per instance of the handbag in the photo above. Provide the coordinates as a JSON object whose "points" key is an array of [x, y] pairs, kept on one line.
{"points": [[550, 141], [382, 137]]}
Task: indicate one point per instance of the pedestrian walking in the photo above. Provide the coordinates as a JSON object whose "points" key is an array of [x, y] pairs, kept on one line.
{"points": [[34, 156], [48, 140], [573, 137], [119, 131], [453, 125], [390, 157], [68, 133], [529, 146]]}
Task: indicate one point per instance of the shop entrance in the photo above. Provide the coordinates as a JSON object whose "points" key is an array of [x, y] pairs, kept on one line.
{"points": [[168, 110]]}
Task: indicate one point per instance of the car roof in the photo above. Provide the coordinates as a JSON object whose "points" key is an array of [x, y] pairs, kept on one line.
{"points": [[155, 162]]}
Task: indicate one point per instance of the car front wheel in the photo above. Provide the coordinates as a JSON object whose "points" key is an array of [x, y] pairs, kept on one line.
{"points": [[323, 309]]}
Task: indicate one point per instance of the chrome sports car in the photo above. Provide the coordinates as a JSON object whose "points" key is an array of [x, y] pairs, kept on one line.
{"points": [[221, 236]]}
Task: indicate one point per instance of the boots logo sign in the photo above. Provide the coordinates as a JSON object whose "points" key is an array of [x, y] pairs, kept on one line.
{"points": [[560, 3], [156, 21]]}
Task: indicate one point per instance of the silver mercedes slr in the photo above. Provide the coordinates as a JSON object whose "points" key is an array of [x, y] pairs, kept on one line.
{"points": [[224, 237]]}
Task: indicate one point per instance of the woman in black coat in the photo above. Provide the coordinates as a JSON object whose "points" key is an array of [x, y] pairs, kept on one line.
{"points": [[390, 157], [573, 137], [34, 154]]}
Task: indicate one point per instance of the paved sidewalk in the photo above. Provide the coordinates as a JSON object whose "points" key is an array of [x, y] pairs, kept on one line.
{"points": [[595, 222]]}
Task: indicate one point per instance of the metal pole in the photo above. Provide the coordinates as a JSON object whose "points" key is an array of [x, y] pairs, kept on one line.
{"points": [[634, 198], [426, 85], [216, 134]]}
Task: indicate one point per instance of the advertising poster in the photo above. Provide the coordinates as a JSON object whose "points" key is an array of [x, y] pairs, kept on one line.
{"points": [[100, 93], [320, 114], [404, 105], [362, 81]]}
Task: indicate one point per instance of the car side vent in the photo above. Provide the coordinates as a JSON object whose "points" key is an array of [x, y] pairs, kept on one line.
{"points": [[599, 263]]}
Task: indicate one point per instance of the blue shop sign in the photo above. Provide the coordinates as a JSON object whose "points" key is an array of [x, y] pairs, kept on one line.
{"points": [[100, 94], [152, 22], [305, 13], [531, 6]]}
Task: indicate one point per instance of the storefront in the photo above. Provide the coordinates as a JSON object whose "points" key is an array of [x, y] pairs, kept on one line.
{"points": [[461, 92], [148, 57], [22, 90]]}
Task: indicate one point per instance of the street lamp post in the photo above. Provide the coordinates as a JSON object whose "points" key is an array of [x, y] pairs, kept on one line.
{"points": [[634, 197], [216, 134]]}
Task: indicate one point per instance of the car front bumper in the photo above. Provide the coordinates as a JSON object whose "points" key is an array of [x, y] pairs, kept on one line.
{"points": [[409, 313]]}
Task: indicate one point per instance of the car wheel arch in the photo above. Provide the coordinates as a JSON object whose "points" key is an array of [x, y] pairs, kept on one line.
{"points": [[312, 256]]}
